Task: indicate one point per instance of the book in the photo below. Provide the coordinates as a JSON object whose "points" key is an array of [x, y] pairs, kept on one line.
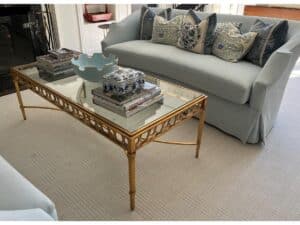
{"points": [[62, 53], [67, 65], [47, 61], [129, 105], [52, 77], [57, 58], [59, 73], [148, 88], [128, 113]]}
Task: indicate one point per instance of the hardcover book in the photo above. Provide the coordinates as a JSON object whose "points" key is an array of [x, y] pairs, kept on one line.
{"points": [[148, 89], [131, 104], [128, 113]]}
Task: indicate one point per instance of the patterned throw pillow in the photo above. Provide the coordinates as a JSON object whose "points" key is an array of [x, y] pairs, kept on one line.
{"points": [[193, 25], [231, 45], [269, 38], [227, 27], [147, 18], [166, 32], [192, 33]]}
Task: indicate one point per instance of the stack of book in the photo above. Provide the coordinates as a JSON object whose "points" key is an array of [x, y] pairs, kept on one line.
{"points": [[57, 64], [130, 104]]}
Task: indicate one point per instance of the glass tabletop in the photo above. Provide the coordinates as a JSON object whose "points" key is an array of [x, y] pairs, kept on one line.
{"points": [[79, 91]]}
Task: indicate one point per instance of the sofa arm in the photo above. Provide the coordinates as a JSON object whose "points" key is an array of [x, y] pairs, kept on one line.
{"points": [[126, 30], [17, 193], [271, 81]]}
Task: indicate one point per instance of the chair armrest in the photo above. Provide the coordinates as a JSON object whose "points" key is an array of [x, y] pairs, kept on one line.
{"points": [[274, 75], [126, 30], [17, 193]]}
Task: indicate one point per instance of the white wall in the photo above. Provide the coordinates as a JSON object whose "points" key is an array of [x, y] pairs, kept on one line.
{"points": [[67, 24], [76, 33], [236, 9]]}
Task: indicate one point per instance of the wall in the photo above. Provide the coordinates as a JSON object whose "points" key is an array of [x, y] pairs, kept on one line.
{"points": [[76, 33], [236, 9], [67, 25]]}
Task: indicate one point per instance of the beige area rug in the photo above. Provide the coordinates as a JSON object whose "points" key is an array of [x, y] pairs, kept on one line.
{"points": [[86, 175]]}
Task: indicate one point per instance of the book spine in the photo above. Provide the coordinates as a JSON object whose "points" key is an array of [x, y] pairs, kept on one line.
{"points": [[54, 66], [110, 107], [63, 72], [129, 113], [133, 104], [130, 105], [100, 94], [108, 103], [147, 104], [54, 70]]}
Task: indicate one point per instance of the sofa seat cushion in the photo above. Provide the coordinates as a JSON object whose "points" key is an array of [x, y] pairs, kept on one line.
{"points": [[231, 81]]}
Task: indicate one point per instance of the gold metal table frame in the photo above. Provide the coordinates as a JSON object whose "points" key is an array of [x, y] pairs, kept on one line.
{"points": [[130, 142]]}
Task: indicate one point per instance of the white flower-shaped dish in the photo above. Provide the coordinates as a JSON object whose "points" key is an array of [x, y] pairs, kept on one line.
{"points": [[92, 68]]}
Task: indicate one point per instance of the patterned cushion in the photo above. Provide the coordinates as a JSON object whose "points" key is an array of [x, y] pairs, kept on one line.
{"points": [[231, 45], [227, 27], [269, 38], [147, 18], [166, 32], [193, 33], [207, 31]]}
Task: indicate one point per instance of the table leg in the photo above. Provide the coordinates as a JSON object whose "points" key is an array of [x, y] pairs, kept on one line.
{"points": [[16, 83], [131, 168], [84, 89], [200, 128]]}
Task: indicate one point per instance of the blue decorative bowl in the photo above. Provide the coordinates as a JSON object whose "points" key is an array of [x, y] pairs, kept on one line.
{"points": [[92, 68]]}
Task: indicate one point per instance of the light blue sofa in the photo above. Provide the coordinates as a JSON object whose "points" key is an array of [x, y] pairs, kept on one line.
{"points": [[243, 99], [19, 199]]}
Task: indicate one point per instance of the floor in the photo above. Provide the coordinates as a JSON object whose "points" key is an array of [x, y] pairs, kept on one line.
{"points": [[86, 175]]}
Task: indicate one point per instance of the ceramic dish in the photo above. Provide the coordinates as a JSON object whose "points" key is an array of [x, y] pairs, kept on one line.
{"points": [[92, 68]]}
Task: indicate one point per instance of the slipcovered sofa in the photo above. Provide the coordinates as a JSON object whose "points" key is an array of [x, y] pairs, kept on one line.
{"points": [[243, 98], [19, 199]]}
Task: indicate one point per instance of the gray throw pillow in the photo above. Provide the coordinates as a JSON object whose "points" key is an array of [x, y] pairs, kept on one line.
{"points": [[231, 45], [209, 39], [269, 38], [147, 19], [166, 32]]}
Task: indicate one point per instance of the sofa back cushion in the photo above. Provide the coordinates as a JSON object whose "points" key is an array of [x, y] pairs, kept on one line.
{"points": [[247, 21]]}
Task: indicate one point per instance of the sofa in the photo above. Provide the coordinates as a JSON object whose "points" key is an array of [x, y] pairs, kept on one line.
{"points": [[243, 98], [20, 200]]}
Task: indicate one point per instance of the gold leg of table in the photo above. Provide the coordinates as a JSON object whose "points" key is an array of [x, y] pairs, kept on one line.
{"points": [[16, 83], [84, 89], [200, 128], [131, 169]]}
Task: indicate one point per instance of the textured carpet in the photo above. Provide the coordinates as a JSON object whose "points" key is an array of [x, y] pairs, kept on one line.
{"points": [[86, 175]]}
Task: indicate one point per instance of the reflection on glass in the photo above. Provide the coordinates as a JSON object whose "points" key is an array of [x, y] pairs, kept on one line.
{"points": [[79, 91]]}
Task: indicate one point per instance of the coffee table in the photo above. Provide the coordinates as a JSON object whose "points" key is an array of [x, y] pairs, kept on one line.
{"points": [[73, 96]]}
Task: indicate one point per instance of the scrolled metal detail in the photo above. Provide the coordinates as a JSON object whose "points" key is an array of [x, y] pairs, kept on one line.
{"points": [[158, 129], [84, 116]]}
